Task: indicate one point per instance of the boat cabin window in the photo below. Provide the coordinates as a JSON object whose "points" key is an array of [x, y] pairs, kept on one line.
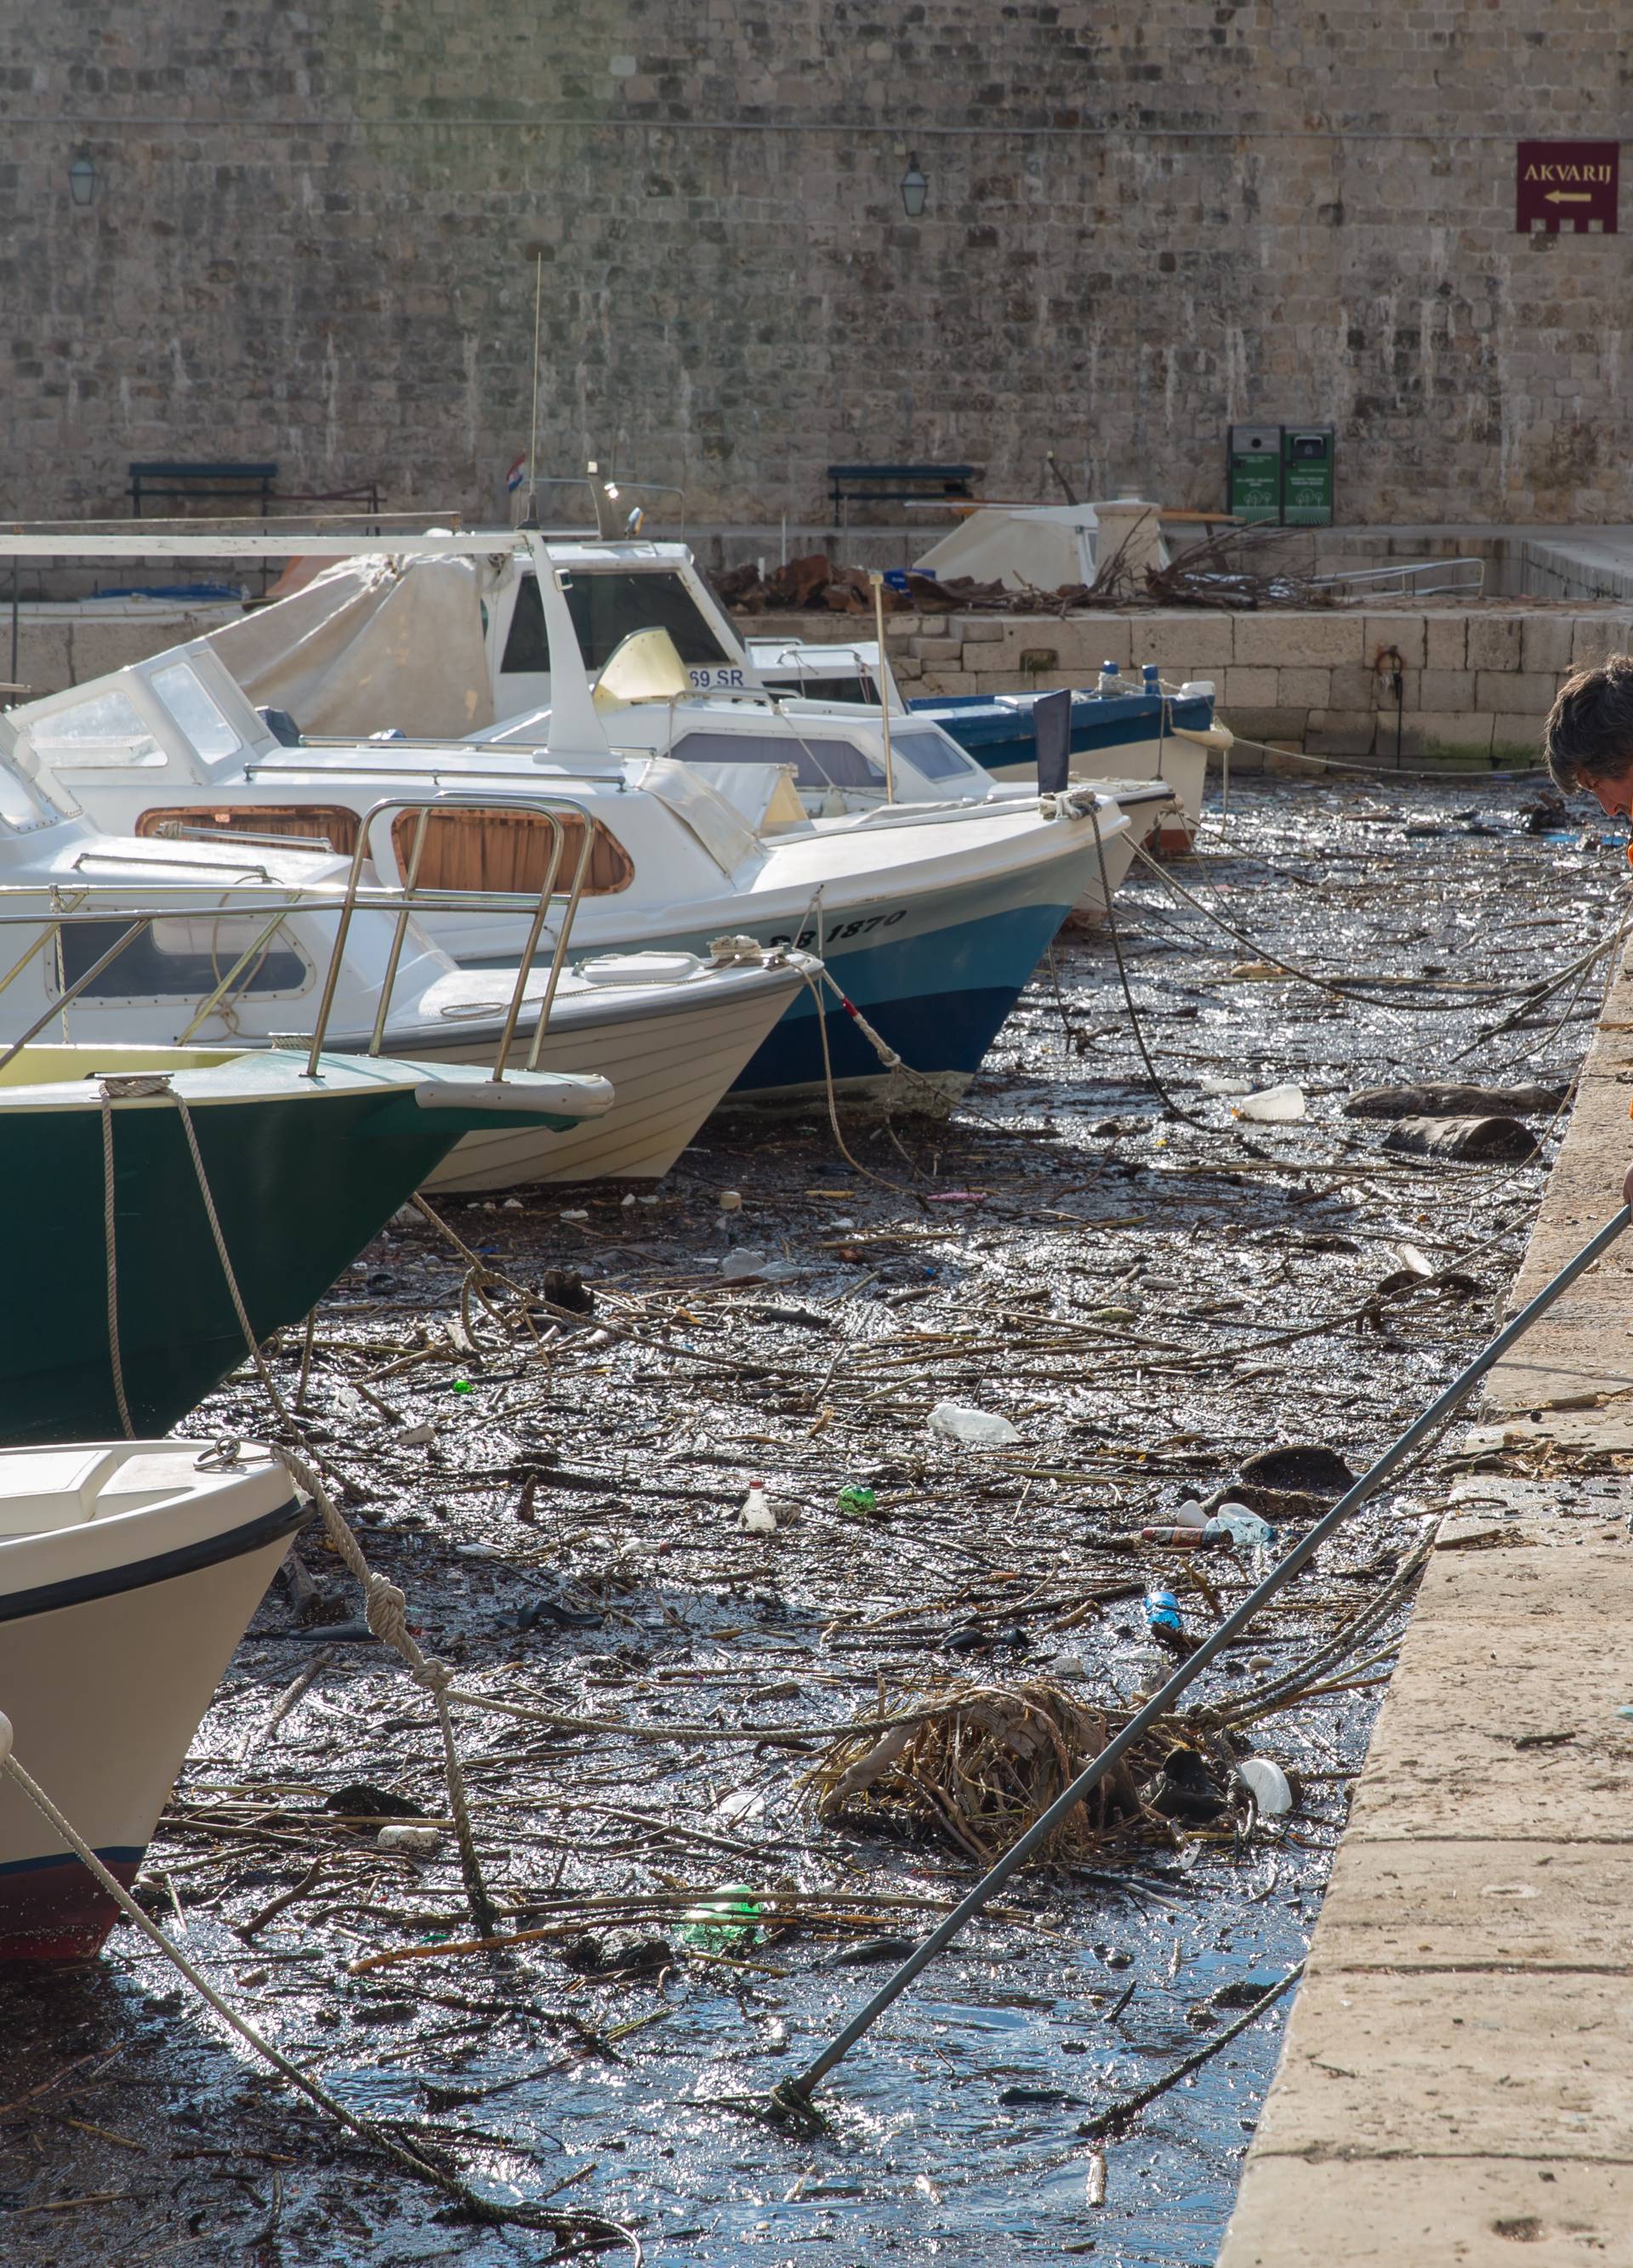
{"points": [[814, 685], [932, 754], [818, 763], [326, 825], [605, 610], [106, 728], [179, 956], [182, 692], [501, 848]]}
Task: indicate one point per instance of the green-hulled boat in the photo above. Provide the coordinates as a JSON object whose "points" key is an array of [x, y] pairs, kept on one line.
{"points": [[302, 1172]]}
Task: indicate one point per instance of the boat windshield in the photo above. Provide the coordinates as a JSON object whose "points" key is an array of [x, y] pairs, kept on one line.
{"points": [[606, 608], [932, 754], [181, 688], [104, 728], [817, 762]]}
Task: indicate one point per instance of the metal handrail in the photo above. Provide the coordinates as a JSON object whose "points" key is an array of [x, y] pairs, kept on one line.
{"points": [[551, 809], [405, 902], [187, 866], [1403, 572], [172, 830]]}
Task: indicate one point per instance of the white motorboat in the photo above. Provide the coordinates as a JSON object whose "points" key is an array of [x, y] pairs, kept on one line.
{"points": [[237, 942], [931, 916], [128, 1572], [370, 643]]}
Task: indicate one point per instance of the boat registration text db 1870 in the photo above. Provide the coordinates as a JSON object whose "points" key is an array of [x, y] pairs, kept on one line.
{"points": [[862, 926]]}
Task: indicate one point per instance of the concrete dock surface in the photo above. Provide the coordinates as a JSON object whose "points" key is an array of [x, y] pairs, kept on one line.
{"points": [[1457, 2080]]}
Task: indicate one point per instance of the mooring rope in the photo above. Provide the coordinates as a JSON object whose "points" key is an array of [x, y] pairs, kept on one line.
{"points": [[584, 2226], [110, 1257], [385, 1608]]}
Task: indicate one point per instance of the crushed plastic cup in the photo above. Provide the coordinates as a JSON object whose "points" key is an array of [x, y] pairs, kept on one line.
{"points": [[728, 1921], [1274, 1106], [1272, 1790], [738, 1266], [974, 1429], [1162, 1611], [1190, 1514]]}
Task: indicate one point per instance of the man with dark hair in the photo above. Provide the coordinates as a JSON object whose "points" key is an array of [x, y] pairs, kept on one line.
{"points": [[1588, 739]]}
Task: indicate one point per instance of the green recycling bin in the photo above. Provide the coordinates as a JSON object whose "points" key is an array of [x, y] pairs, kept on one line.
{"points": [[1253, 473], [1307, 475]]}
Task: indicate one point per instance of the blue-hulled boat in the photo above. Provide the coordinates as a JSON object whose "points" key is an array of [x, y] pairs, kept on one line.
{"points": [[1145, 735], [996, 728]]}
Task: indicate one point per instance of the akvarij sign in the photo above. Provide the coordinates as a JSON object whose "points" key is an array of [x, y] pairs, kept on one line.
{"points": [[1566, 184]]}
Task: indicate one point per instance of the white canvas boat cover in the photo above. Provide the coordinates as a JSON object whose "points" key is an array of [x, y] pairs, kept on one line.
{"points": [[722, 831], [1045, 547], [369, 643]]}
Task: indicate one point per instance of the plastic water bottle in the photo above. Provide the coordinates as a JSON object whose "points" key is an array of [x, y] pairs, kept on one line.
{"points": [[1151, 677], [755, 1517], [1245, 1528], [1274, 1106], [975, 1429], [1110, 680]]}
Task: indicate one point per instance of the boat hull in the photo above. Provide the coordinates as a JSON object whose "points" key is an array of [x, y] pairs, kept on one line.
{"points": [[670, 1063], [936, 991], [1127, 737], [108, 1671], [300, 1186]]}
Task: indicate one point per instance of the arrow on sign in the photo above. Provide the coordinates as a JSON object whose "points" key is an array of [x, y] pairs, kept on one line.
{"points": [[1569, 197]]}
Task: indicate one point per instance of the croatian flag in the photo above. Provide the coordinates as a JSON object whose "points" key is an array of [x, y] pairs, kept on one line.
{"points": [[515, 477]]}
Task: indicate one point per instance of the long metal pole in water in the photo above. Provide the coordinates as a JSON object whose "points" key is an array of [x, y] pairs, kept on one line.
{"points": [[795, 2092]]}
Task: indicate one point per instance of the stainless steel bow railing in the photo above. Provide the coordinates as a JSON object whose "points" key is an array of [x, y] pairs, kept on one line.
{"points": [[403, 901]]}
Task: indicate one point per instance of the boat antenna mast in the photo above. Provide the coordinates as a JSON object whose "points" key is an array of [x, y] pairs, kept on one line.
{"points": [[530, 517]]}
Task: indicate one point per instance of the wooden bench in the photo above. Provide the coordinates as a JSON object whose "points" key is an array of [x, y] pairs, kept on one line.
{"points": [[898, 484], [171, 483]]}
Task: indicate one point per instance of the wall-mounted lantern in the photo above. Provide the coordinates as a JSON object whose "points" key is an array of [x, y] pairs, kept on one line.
{"points": [[915, 189], [82, 180]]}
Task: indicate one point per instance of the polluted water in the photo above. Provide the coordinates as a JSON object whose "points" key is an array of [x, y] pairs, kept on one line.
{"points": [[1151, 1291]]}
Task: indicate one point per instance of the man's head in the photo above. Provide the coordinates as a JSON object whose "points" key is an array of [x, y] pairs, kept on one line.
{"points": [[1588, 739]]}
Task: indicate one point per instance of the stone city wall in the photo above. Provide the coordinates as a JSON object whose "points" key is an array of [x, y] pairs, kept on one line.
{"points": [[314, 232], [1477, 680]]}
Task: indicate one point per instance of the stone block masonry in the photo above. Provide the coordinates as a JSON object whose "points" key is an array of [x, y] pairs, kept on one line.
{"points": [[1476, 681], [1268, 688], [314, 235]]}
